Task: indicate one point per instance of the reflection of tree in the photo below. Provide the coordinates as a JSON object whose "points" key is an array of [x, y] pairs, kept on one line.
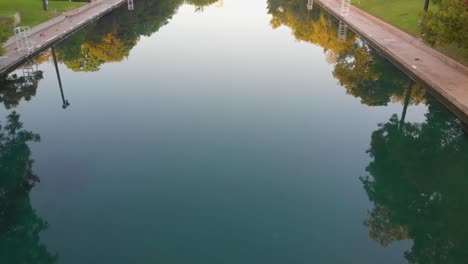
{"points": [[316, 27], [367, 75], [199, 4], [19, 224], [111, 38], [418, 181], [13, 88], [361, 70], [110, 48]]}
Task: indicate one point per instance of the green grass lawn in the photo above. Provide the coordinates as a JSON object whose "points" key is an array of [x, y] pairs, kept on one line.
{"points": [[31, 10], [403, 14]]}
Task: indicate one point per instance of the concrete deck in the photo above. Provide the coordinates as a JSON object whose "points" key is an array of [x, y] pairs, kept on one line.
{"points": [[54, 30], [445, 78]]}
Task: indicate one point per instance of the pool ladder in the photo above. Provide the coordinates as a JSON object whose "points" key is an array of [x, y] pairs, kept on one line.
{"points": [[342, 31]]}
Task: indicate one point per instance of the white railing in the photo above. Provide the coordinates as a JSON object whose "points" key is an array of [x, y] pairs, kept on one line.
{"points": [[345, 5], [131, 5], [23, 40]]}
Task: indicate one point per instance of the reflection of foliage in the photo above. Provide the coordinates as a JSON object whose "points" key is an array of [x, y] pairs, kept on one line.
{"points": [[369, 76], [44, 56], [111, 38], [19, 224], [14, 88], [361, 70], [418, 181], [200, 3], [316, 27], [109, 49]]}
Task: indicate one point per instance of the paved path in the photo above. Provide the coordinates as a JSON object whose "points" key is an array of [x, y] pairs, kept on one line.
{"points": [[50, 32], [444, 77]]}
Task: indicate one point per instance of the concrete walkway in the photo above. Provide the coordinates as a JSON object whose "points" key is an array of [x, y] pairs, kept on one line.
{"points": [[52, 31], [445, 78]]}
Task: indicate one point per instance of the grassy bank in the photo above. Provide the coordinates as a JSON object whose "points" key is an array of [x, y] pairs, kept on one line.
{"points": [[31, 10], [405, 14]]}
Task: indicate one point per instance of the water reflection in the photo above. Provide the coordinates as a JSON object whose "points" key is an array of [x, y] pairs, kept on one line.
{"points": [[20, 226], [14, 88], [419, 173], [361, 70], [65, 102], [417, 181], [111, 38]]}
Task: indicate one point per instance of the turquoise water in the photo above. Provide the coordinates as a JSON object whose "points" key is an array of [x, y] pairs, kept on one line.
{"points": [[244, 133]]}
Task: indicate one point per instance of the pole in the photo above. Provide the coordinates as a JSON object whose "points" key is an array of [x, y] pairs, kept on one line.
{"points": [[405, 107], [45, 4], [65, 102], [426, 5]]}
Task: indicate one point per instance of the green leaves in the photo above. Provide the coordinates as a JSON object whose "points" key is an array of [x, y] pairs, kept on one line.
{"points": [[447, 24]]}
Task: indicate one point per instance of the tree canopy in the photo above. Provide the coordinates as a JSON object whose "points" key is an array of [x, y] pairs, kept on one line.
{"points": [[446, 24]]}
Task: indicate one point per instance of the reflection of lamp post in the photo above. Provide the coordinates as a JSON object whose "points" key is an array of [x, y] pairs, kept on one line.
{"points": [[405, 106], [65, 102]]}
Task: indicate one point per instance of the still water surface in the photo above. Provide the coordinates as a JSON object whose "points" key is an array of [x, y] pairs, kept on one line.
{"points": [[249, 132]]}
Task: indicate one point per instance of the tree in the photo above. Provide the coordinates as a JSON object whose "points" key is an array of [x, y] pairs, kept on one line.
{"points": [[19, 224], [447, 24]]}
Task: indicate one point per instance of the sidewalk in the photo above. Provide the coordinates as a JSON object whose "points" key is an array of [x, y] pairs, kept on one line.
{"points": [[446, 78], [49, 32]]}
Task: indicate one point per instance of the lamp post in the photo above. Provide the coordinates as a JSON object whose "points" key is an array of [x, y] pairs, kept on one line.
{"points": [[45, 4], [426, 5]]}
